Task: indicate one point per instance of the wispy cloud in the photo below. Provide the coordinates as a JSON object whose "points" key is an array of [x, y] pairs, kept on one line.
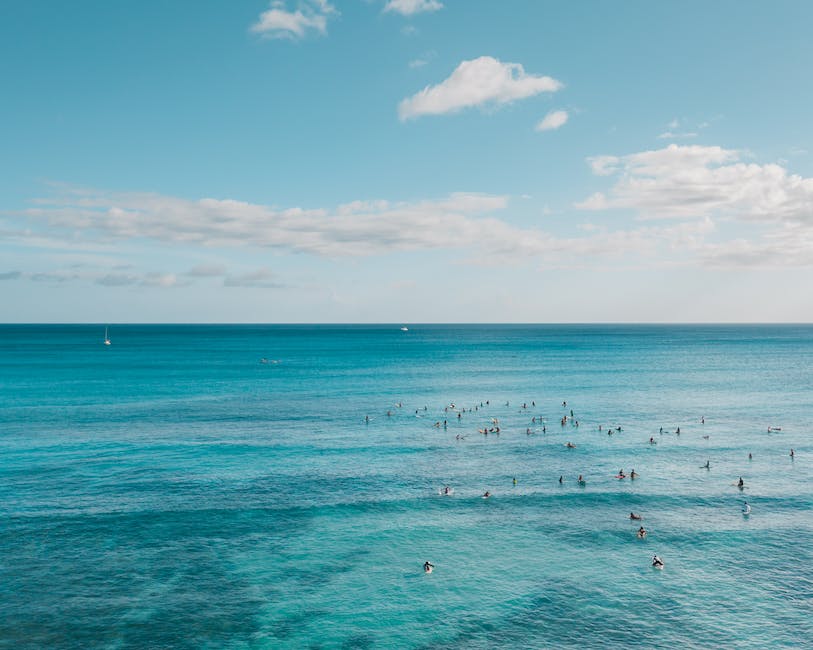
{"points": [[422, 60], [479, 82], [669, 135], [259, 279], [207, 271], [117, 280], [54, 276], [552, 121], [410, 7], [280, 22], [10, 275], [672, 132]]}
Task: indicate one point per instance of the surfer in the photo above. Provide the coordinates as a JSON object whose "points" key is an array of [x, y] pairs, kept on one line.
{"points": [[486, 494], [741, 483], [635, 517], [657, 562], [633, 474], [621, 474], [792, 453], [706, 466], [561, 479], [427, 567], [641, 532]]}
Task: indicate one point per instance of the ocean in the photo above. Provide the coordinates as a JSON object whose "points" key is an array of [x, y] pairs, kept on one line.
{"points": [[220, 486]]}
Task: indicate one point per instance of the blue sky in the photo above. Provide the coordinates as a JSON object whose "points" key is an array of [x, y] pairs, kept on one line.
{"points": [[406, 161]]}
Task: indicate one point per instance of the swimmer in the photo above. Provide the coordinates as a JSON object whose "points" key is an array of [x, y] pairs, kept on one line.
{"points": [[657, 562], [641, 532], [427, 567], [635, 517]]}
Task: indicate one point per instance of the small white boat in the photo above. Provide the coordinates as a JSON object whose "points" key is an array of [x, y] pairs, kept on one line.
{"points": [[404, 329], [106, 337]]}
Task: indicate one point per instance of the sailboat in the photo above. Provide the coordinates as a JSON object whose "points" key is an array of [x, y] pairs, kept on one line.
{"points": [[106, 337]]}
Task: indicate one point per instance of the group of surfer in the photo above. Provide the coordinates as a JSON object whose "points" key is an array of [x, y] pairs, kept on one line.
{"points": [[494, 427]]}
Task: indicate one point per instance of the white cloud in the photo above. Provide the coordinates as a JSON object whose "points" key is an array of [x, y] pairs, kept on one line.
{"points": [[279, 22], [700, 180], [357, 228], [410, 7], [765, 202], [462, 222], [478, 82], [552, 121]]}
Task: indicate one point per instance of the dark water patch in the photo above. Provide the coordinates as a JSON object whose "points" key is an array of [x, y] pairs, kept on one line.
{"points": [[149, 580]]}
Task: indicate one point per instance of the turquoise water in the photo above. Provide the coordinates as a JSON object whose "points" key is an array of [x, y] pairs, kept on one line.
{"points": [[171, 491]]}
